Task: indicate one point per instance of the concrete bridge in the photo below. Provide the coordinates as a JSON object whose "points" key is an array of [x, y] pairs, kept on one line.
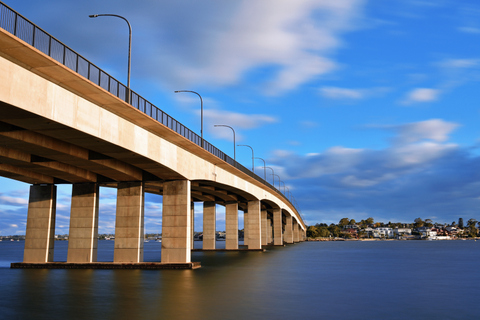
{"points": [[65, 121]]}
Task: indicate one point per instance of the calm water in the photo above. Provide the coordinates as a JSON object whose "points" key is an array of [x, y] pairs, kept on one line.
{"points": [[312, 280]]}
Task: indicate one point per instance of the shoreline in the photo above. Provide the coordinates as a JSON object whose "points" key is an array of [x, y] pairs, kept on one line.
{"points": [[341, 239]]}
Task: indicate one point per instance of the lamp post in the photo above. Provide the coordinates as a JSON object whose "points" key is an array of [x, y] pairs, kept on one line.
{"points": [[201, 110], [129, 47], [223, 125], [253, 157], [264, 170], [283, 187], [278, 181], [273, 176]]}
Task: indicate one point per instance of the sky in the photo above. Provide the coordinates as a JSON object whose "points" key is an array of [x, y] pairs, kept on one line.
{"points": [[364, 108]]}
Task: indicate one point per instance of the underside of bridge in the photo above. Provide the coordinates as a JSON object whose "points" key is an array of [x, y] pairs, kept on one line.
{"points": [[51, 133]]}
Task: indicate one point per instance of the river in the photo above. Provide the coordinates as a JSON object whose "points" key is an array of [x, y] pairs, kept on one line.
{"points": [[310, 280]]}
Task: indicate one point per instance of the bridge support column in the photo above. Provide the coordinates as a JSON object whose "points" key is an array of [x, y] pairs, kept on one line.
{"points": [[277, 227], [254, 225], [269, 231], [288, 229], [129, 231], [245, 228], [296, 231], [176, 222], [192, 223], [83, 235], [39, 236], [231, 225], [264, 228], [209, 225]]}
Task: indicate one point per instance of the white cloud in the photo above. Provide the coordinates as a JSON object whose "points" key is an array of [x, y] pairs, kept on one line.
{"points": [[469, 30], [422, 95], [434, 129], [219, 46], [460, 63], [235, 120], [13, 201], [351, 94], [341, 93]]}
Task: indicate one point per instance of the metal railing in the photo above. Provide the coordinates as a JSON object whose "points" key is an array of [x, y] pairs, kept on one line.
{"points": [[22, 28]]}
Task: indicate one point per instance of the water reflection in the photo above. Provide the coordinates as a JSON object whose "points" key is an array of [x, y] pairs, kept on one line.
{"points": [[308, 280]]}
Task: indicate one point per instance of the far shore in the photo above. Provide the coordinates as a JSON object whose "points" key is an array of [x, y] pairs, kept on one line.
{"points": [[342, 239]]}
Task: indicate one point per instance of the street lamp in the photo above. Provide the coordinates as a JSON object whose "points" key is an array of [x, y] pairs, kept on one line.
{"points": [[201, 110], [129, 47], [223, 125], [264, 170], [244, 145], [278, 181], [273, 176]]}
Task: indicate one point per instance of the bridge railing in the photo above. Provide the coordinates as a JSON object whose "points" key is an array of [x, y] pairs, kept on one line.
{"points": [[22, 28]]}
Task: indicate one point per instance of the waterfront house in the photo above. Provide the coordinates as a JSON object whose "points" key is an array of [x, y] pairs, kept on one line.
{"points": [[402, 232], [382, 232]]}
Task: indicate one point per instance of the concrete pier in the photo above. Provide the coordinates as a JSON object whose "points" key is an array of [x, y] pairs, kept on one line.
{"points": [[296, 233], [83, 235], [209, 225], [277, 227], [129, 233], [231, 226], [254, 225], [264, 228], [176, 222], [39, 236], [288, 230]]}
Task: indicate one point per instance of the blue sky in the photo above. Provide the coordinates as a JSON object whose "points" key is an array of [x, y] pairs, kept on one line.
{"points": [[363, 108]]}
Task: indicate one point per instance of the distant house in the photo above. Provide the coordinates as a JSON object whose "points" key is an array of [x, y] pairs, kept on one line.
{"points": [[427, 233], [382, 232], [401, 232]]}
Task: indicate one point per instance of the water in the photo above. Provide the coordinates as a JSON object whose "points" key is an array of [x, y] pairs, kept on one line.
{"points": [[312, 280]]}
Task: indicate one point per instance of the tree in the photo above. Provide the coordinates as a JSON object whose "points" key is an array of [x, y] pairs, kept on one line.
{"points": [[471, 222], [418, 223], [369, 221], [352, 222], [343, 222], [428, 223], [334, 230], [312, 232], [460, 223], [323, 232]]}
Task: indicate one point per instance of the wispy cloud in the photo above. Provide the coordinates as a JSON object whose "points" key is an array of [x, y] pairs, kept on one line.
{"points": [[227, 39], [421, 95], [350, 94]]}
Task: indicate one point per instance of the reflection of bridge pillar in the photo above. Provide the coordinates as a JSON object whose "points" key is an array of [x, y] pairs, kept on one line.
{"points": [[39, 236], [231, 225], [245, 228], [83, 235], [254, 225], [129, 223], [277, 227], [264, 228], [209, 225], [296, 233], [288, 229], [176, 222]]}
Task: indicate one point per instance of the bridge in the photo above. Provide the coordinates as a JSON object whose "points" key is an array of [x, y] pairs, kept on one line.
{"points": [[63, 120]]}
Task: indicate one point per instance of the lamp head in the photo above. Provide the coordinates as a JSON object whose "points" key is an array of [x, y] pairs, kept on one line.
{"points": [[93, 15]]}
